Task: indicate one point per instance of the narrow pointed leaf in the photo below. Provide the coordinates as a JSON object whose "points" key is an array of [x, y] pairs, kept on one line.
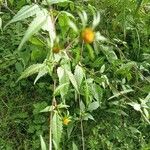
{"points": [[79, 74], [43, 145], [43, 72], [56, 130], [31, 70], [56, 1], [34, 27], [59, 88], [121, 93], [63, 79], [25, 12], [72, 80]]}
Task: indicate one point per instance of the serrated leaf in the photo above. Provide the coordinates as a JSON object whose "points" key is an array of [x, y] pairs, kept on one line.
{"points": [[59, 88], [125, 67], [110, 54], [35, 68], [93, 106], [88, 116], [49, 26], [56, 1], [63, 79], [72, 79], [47, 109], [42, 72], [34, 27], [96, 91], [121, 93], [56, 125], [82, 106], [25, 12], [43, 145], [79, 74]]}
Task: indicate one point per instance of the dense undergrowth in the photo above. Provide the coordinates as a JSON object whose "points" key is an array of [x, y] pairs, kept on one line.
{"points": [[114, 87]]}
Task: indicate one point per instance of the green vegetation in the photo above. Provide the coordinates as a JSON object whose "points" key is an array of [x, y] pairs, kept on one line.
{"points": [[75, 75]]}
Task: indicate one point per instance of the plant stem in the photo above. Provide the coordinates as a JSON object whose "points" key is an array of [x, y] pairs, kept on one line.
{"points": [[50, 131], [81, 121], [82, 134], [51, 117]]}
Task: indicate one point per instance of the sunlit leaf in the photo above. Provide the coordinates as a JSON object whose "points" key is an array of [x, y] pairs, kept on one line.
{"points": [[25, 12], [31, 70], [121, 93], [72, 79], [59, 88], [56, 1], [136, 106], [63, 79], [34, 27], [43, 145], [74, 146], [56, 125], [41, 73], [79, 74], [47, 109], [0, 23], [93, 106]]}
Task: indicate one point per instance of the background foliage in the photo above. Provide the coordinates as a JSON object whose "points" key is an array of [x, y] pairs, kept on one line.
{"points": [[117, 72]]}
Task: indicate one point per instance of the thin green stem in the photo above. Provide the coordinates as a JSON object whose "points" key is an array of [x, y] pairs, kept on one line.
{"points": [[81, 123], [51, 117]]}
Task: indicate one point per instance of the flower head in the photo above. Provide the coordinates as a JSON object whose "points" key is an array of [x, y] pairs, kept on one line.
{"points": [[88, 33], [66, 120]]}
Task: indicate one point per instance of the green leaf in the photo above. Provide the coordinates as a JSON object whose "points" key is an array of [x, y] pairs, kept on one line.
{"points": [[59, 88], [49, 26], [74, 146], [136, 106], [110, 54], [35, 68], [63, 79], [93, 106], [34, 27], [125, 67], [41, 73], [43, 145], [82, 106], [1, 23], [121, 93], [72, 79], [147, 99], [25, 12], [79, 74], [91, 51], [56, 1], [56, 126], [96, 91], [47, 109], [88, 116], [36, 41]]}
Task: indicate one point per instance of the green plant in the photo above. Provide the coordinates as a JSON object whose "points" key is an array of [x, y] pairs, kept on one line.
{"points": [[90, 78]]}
